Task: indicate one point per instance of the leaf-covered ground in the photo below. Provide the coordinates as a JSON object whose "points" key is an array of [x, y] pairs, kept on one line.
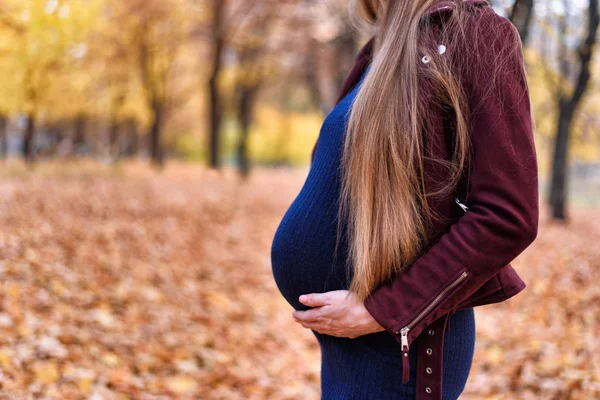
{"points": [[127, 284]]}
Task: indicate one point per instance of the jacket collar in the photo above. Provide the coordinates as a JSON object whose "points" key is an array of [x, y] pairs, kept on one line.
{"points": [[363, 57]]}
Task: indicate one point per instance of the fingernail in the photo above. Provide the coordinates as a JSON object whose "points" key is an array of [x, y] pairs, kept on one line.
{"points": [[302, 298]]}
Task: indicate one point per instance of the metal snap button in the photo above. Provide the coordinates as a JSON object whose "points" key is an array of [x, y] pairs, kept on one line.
{"points": [[429, 370], [429, 351], [428, 389], [431, 332]]}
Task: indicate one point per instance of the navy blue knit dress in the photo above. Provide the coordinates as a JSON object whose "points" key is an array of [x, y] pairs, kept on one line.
{"points": [[302, 257]]}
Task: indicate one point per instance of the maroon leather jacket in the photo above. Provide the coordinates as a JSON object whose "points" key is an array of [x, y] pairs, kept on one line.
{"points": [[467, 261]]}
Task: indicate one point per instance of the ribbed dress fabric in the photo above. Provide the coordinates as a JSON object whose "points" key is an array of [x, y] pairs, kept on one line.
{"points": [[302, 257]]}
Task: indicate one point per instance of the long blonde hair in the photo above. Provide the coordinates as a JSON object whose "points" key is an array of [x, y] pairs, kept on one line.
{"points": [[383, 195]]}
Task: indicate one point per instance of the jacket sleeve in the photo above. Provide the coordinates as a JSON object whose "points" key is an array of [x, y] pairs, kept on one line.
{"points": [[502, 219]]}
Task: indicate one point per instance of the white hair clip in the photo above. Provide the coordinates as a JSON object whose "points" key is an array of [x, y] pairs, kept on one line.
{"points": [[425, 59], [441, 49]]}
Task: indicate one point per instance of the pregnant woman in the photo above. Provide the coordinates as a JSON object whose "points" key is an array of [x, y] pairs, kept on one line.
{"points": [[422, 190]]}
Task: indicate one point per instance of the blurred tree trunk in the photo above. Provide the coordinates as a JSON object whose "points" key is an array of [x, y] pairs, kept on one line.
{"points": [[79, 141], [215, 107], [3, 139], [156, 148], [113, 139], [311, 75], [249, 38], [567, 106], [54, 136], [132, 135], [346, 49], [327, 75], [157, 41], [247, 95], [118, 100], [154, 84], [521, 16], [28, 153], [331, 63]]}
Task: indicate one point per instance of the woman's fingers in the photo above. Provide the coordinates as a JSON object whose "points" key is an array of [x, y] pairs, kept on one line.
{"points": [[325, 316], [315, 325], [307, 316], [314, 299]]}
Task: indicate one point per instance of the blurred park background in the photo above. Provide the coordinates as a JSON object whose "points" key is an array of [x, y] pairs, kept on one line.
{"points": [[149, 149]]}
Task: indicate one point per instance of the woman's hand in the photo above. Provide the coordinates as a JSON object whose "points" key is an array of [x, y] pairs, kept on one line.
{"points": [[336, 313]]}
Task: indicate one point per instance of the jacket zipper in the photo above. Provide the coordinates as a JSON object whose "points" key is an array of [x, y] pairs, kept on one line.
{"points": [[404, 331], [462, 205]]}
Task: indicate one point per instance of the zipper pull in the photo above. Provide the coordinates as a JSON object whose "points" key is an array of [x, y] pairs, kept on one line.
{"points": [[405, 364], [463, 206]]}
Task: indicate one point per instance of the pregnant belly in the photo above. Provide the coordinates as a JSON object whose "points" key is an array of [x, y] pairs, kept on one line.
{"points": [[302, 253]]}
